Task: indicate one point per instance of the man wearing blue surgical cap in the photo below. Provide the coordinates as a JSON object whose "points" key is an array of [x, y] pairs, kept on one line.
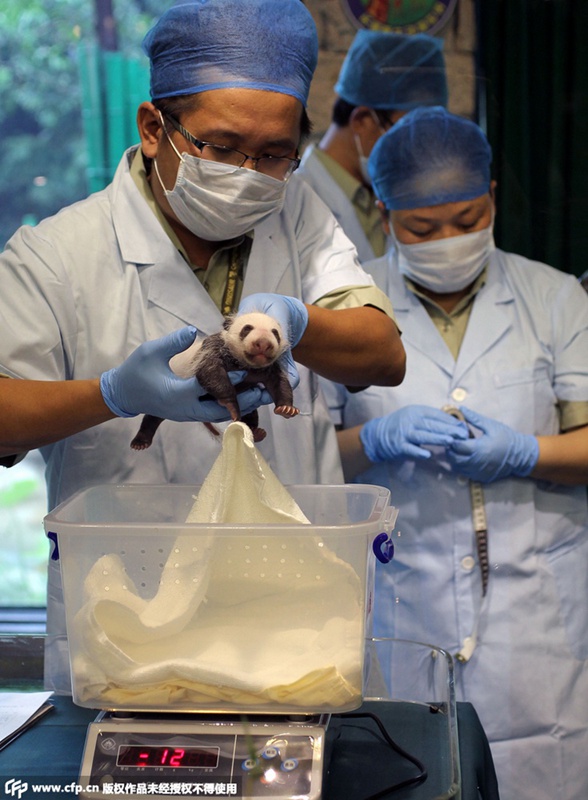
{"points": [[201, 219], [383, 76], [492, 563]]}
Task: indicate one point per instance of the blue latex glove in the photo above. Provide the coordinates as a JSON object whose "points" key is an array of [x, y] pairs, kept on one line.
{"points": [[292, 315], [401, 433], [499, 453], [145, 384]]}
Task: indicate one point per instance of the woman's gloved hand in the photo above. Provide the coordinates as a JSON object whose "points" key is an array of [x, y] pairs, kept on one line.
{"points": [[292, 315], [499, 453], [402, 433], [145, 384]]}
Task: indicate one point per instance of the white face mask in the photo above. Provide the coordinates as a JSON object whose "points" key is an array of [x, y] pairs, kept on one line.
{"points": [[363, 162], [446, 265], [219, 201]]}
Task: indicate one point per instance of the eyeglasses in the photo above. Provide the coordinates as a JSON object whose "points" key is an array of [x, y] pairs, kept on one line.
{"points": [[279, 167]]}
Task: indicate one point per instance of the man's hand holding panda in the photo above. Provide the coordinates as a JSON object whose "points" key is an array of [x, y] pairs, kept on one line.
{"points": [[145, 384]]}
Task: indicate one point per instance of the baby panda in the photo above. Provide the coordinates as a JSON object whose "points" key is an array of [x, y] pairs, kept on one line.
{"points": [[252, 341]]}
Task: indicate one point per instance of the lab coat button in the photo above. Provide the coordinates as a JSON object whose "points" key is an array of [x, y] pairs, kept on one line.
{"points": [[467, 649], [468, 563], [459, 395]]}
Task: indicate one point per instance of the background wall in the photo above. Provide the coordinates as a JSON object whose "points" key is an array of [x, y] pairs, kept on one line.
{"points": [[336, 33], [534, 106]]}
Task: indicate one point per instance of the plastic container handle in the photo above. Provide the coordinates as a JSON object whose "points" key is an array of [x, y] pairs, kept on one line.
{"points": [[390, 518], [383, 548], [55, 552]]}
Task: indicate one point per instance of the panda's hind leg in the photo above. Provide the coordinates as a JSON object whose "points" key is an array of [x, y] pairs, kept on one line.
{"points": [[252, 420], [145, 434]]}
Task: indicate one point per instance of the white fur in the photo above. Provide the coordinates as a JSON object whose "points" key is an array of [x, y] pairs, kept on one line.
{"points": [[184, 363], [263, 332]]}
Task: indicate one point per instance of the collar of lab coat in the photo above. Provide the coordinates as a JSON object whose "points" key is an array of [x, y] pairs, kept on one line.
{"points": [[319, 177], [491, 317], [169, 281]]}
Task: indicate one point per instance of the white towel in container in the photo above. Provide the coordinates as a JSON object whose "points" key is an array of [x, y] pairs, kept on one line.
{"points": [[254, 619]]}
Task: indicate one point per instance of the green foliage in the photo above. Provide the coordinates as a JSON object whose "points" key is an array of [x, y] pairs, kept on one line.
{"points": [[43, 152]]}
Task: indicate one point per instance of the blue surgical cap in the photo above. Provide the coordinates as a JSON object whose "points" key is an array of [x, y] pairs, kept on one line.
{"points": [[393, 71], [219, 44], [430, 157]]}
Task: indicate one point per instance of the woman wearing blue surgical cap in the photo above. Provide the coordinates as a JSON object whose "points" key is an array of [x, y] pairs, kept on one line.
{"points": [[201, 219], [492, 559]]}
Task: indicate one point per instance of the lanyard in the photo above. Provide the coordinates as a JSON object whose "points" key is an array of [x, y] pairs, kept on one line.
{"points": [[228, 301]]}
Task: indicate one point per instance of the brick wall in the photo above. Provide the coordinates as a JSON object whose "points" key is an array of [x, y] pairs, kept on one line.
{"points": [[336, 33]]}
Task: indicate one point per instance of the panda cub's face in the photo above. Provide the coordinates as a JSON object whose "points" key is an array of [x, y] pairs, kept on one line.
{"points": [[254, 339]]}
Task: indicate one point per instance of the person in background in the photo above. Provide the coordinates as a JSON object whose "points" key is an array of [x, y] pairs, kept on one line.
{"points": [[484, 448], [200, 220], [383, 76]]}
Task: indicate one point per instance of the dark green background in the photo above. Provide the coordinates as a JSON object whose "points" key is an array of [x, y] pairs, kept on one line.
{"points": [[533, 97]]}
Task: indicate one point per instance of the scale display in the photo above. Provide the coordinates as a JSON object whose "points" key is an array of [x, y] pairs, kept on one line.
{"points": [[275, 759], [145, 756]]}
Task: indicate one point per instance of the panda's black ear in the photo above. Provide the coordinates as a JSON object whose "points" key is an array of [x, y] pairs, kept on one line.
{"points": [[227, 322]]}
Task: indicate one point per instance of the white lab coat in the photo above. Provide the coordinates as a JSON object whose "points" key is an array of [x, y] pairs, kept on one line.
{"points": [[83, 289], [316, 175], [526, 346]]}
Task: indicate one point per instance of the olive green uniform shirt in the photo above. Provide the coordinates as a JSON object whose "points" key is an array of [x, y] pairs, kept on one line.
{"points": [[361, 198]]}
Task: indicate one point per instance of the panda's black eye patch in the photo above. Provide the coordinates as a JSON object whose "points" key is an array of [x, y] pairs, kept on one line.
{"points": [[245, 331], [276, 334]]}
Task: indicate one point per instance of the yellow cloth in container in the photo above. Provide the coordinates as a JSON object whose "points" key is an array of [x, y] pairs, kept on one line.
{"points": [[238, 620]]}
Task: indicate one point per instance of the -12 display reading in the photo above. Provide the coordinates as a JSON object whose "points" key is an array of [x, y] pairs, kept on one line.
{"points": [[161, 756]]}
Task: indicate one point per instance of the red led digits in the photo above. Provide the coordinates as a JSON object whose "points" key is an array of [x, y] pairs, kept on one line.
{"points": [[176, 759], [186, 757]]}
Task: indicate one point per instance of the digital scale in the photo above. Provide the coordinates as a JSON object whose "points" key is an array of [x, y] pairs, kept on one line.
{"points": [[194, 755]]}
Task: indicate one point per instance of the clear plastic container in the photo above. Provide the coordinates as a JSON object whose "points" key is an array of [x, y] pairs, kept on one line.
{"points": [[165, 615]]}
